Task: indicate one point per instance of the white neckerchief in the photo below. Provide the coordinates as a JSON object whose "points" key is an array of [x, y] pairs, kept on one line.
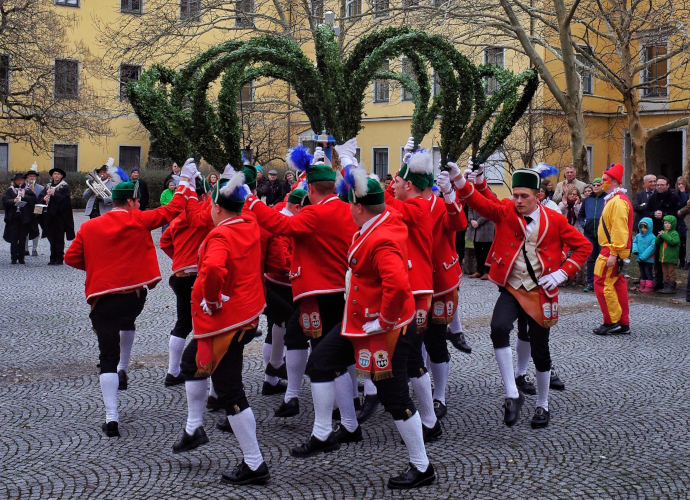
{"points": [[369, 223], [535, 220], [285, 211], [613, 193]]}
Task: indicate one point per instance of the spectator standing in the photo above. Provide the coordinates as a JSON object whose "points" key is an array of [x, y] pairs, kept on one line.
{"points": [[685, 213], [548, 188], [587, 191], [480, 230], [262, 183], [288, 181], [275, 189], [570, 180], [661, 203], [545, 201], [387, 181], [212, 179], [166, 197], [95, 205], [668, 243], [174, 175], [643, 247], [590, 213], [683, 197], [58, 218], [36, 219], [18, 203], [641, 199], [135, 175], [570, 207]]}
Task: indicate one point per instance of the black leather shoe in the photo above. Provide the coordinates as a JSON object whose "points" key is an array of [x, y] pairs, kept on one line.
{"points": [[625, 330], [314, 446], [612, 329], [432, 433], [171, 380], [458, 340], [212, 403], [21, 261], [371, 402], [440, 409], [111, 429], [122, 379], [345, 436], [242, 474], [525, 385], [26, 252], [412, 478], [223, 425], [187, 442], [512, 409], [258, 333], [289, 409], [540, 418], [270, 390], [556, 383], [280, 372]]}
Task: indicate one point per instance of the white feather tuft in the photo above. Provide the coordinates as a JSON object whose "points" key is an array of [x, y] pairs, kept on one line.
{"points": [[236, 181], [111, 162], [375, 177], [421, 162], [361, 177], [34, 167]]}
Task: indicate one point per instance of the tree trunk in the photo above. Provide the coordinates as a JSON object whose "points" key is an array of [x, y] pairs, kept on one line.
{"points": [[638, 140], [578, 147]]}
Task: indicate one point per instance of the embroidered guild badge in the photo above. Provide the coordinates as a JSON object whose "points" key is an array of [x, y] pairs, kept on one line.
{"points": [[315, 320], [421, 317], [554, 308], [364, 358], [449, 308], [305, 321], [381, 359], [547, 310], [438, 308]]}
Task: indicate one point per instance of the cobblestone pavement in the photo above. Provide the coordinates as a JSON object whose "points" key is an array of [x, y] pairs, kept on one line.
{"points": [[620, 430]]}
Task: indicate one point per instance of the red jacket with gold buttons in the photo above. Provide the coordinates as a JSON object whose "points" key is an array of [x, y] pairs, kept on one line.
{"points": [[554, 233], [447, 219], [379, 285]]}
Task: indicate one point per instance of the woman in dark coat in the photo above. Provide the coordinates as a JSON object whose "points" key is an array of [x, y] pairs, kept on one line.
{"points": [[58, 218], [18, 202]]}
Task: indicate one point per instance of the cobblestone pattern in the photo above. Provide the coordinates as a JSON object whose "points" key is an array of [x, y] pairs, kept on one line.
{"points": [[620, 430]]}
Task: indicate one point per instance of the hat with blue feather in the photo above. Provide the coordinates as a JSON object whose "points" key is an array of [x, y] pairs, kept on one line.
{"points": [[231, 194], [531, 177], [418, 169], [359, 187], [299, 158]]}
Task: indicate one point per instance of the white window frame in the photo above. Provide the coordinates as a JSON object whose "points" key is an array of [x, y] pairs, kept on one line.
{"points": [[585, 74], [9, 152], [491, 84], [382, 12], [64, 3], [78, 77], [378, 82], [189, 17], [358, 155], [252, 90], [67, 144], [351, 11], [136, 13], [373, 160], [141, 154], [123, 98], [643, 74]]}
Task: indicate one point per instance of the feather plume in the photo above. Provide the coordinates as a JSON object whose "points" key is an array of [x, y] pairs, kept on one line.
{"points": [[303, 185], [341, 187], [360, 178], [298, 158], [117, 174], [228, 173], [421, 162], [34, 167], [545, 170], [375, 177], [110, 162], [235, 188]]}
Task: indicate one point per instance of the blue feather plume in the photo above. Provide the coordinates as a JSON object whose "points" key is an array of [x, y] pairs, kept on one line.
{"points": [[342, 188], [299, 158], [545, 170], [240, 193]]}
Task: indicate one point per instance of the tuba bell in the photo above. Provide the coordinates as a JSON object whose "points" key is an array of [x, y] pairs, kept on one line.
{"points": [[96, 185]]}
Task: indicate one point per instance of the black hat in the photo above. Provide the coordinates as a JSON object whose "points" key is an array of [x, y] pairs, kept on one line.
{"points": [[134, 169], [59, 170], [18, 175], [101, 168]]}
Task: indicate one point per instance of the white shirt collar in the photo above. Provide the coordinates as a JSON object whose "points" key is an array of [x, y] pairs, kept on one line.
{"points": [[369, 223], [613, 193], [285, 211]]}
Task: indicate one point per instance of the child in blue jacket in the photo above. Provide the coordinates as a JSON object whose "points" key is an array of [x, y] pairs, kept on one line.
{"points": [[643, 247]]}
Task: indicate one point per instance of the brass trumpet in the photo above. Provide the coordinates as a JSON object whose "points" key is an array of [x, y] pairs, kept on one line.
{"points": [[96, 185]]}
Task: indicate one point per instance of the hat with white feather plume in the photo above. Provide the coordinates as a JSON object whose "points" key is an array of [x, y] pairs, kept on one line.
{"points": [[418, 168], [231, 194]]}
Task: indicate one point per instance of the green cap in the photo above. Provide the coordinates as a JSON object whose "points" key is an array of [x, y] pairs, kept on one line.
{"points": [[374, 194], [598, 179], [526, 178], [231, 202], [297, 196], [126, 190], [250, 176], [320, 172], [202, 186], [421, 180]]}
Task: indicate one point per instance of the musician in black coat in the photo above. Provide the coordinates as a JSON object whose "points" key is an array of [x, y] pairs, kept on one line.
{"points": [[58, 218], [18, 202]]}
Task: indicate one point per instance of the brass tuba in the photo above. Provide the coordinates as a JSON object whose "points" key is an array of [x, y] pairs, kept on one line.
{"points": [[96, 185]]}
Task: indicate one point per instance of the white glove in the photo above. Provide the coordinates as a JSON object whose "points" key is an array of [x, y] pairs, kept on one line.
{"points": [[551, 281], [347, 161], [205, 307], [443, 182], [406, 157], [223, 298], [189, 170], [409, 147], [228, 172], [470, 175], [449, 198], [478, 170], [318, 155], [347, 149], [454, 170], [371, 327]]}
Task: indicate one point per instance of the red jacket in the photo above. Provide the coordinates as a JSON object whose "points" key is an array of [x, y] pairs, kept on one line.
{"points": [[447, 219], [321, 235], [116, 249], [416, 214], [229, 264], [181, 242], [379, 284], [554, 233]]}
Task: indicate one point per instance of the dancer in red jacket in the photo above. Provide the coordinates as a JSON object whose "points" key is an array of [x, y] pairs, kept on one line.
{"points": [[525, 262], [117, 292]]}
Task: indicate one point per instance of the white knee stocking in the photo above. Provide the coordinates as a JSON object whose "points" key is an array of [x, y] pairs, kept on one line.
{"points": [[343, 394], [296, 363], [126, 341], [455, 324], [175, 348], [504, 358], [323, 394], [422, 389], [411, 432], [543, 383], [196, 397], [278, 333], [369, 387], [523, 350], [352, 371], [244, 427], [440, 371], [109, 384]]}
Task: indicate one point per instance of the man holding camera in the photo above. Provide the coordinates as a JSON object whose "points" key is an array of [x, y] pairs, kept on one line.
{"points": [[614, 234]]}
